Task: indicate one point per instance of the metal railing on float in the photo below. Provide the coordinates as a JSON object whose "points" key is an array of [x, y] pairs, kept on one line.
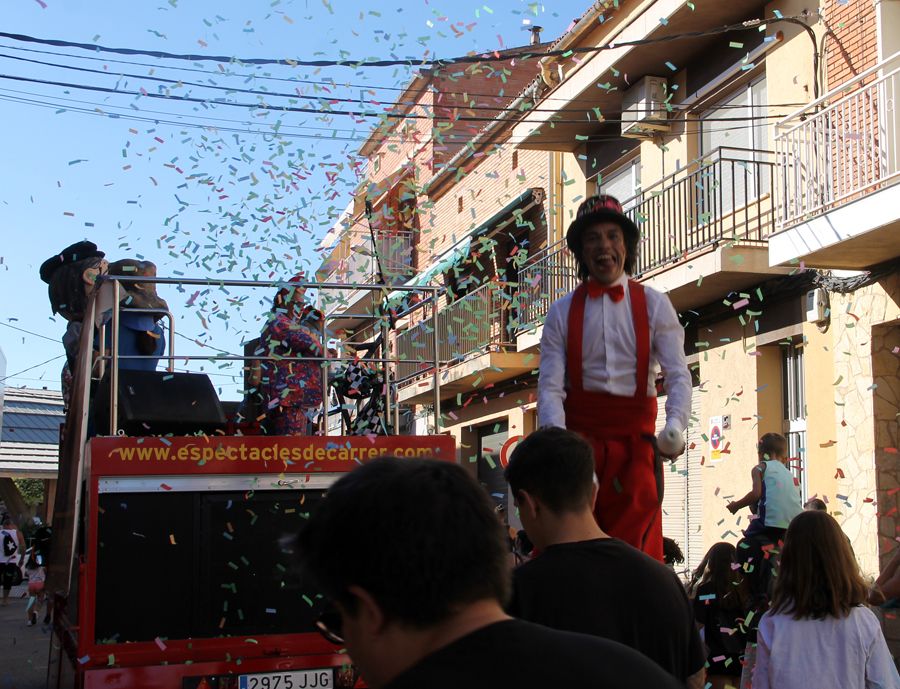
{"points": [[111, 292]]}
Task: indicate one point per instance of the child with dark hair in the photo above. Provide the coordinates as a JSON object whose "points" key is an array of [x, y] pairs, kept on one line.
{"points": [[720, 598], [818, 624], [36, 575], [775, 501]]}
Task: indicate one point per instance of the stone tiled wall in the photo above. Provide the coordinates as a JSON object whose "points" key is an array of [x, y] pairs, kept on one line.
{"points": [[864, 326]]}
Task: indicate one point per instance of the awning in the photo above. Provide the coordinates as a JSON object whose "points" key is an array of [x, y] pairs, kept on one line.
{"points": [[457, 253]]}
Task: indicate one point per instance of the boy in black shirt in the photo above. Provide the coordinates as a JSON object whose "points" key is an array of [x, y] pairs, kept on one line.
{"points": [[413, 559], [583, 580]]}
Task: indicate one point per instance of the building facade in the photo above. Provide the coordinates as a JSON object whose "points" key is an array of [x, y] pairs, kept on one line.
{"points": [[758, 155]]}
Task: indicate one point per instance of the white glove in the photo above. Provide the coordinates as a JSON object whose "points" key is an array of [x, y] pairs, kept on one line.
{"points": [[670, 441]]}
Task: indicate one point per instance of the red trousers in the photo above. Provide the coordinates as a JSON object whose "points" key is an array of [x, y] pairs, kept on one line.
{"points": [[628, 504]]}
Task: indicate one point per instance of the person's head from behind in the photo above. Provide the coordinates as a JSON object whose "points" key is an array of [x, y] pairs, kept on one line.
{"points": [[718, 568], [815, 504], [551, 476], [401, 547], [773, 446], [672, 554], [818, 576], [6, 521]]}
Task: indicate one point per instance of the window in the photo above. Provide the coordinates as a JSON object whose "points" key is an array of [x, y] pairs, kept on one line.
{"points": [[623, 183], [515, 161], [733, 136], [793, 387], [459, 204]]}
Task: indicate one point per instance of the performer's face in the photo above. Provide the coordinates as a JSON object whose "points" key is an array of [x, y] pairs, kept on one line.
{"points": [[603, 252]]}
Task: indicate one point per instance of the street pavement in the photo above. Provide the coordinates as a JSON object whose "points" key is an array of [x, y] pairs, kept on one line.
{"points": [[23, 650]]}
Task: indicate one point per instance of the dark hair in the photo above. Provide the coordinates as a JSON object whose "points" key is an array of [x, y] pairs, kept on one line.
{"points": [[816, 504], [772, 445], [728, 581], [672, 554], [631, 251], [66, 290], [420, 536], [555, 466], [818, 576]]}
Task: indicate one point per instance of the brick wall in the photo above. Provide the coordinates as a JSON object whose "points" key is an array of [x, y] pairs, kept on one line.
{"points": [[852, 47], [488, 86]]}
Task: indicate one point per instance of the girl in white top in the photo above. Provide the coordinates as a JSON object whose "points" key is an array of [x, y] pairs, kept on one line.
{"points": [[818, 631]]}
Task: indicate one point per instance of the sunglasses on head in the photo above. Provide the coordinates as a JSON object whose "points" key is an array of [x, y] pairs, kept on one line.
{"points": [[330, 625]]}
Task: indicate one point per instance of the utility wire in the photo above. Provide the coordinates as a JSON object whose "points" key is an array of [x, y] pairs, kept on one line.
{"points": [[320, 99], [95, 111], [52, 339], [292, 80], [314, 111], [410, 61], [43, 363]]}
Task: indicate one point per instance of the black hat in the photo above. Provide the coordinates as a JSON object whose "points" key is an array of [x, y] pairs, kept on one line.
{"points": [[599, 209], [71, 254]]}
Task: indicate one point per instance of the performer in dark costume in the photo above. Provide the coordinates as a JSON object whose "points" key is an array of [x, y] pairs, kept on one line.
{"points": [[601, 348]]}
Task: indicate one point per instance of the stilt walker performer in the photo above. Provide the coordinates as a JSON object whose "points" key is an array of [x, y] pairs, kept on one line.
{"points": [[601, 349]]}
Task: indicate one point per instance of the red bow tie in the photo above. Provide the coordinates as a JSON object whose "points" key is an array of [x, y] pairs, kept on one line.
{"points": [[615, 292]]}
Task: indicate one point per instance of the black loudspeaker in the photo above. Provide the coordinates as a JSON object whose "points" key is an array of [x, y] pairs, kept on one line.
{"points": [[160, 403]]}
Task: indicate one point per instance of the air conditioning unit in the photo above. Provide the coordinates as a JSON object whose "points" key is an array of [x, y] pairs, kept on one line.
{"points": [[644, 111], [816, 305]]}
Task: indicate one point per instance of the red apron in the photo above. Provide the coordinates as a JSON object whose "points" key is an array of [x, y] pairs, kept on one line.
{"points": [[628, 503]]}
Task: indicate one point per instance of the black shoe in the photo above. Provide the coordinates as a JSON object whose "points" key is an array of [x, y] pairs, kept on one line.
{"points": [[47, 618], [32, 620]]}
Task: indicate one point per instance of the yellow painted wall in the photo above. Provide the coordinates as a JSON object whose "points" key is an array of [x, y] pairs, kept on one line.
{"points": [[821, 446], [728, 382]]}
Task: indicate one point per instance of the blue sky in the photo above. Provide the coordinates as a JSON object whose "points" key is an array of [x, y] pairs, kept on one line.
{"points": [[243, 201]]}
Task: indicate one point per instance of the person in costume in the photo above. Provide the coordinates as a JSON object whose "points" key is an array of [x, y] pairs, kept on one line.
{"points": [[601, 350], [291, 390], [73, 274]]}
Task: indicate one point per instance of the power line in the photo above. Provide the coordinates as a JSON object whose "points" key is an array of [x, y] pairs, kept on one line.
{"points": [[43, 363], [595, 138], [410, 61], [320, 99], [52, 339], [349, 113], [293, 80]]}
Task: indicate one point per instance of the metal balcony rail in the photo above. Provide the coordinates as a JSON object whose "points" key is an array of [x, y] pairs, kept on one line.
{"points": [[542, 281], [725, 196], [480, 321], [841, 146]]}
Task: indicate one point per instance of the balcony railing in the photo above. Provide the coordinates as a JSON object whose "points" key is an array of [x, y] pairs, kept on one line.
{"points": [[725, 197], [841, 146], [478, 322]]}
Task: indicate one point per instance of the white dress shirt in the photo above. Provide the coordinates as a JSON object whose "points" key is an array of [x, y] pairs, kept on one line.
{"points": [[609, 354], [848, 653]]}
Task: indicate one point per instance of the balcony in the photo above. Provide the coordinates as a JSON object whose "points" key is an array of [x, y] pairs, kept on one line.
{"points": [[704, 233], [837, 175], [356, 264], [476, 346]]}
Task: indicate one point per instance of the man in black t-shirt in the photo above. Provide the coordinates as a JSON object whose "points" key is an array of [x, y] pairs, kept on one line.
{"points": [[413, 559], [583, 580]]}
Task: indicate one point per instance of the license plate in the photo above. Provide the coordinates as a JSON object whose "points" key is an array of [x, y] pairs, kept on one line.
{"points": [[293, 679]]}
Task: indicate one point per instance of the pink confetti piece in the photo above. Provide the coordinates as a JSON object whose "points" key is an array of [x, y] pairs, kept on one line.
{"points": [[160, 644], [740, 304], [42, 4]]}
